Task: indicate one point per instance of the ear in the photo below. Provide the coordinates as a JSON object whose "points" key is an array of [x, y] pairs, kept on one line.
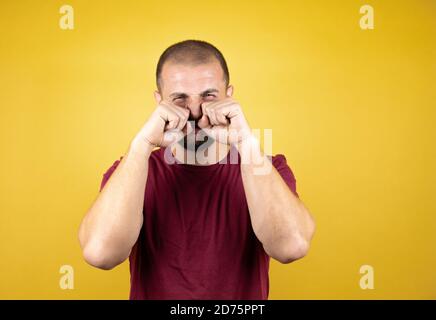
{"points": [[229, 91], [157, 96]]}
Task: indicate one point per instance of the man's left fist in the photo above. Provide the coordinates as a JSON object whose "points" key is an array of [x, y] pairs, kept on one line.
{"points": [[224, 121]]}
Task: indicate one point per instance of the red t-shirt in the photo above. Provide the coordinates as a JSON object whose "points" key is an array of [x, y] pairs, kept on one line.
{"points": [[197, 241]]}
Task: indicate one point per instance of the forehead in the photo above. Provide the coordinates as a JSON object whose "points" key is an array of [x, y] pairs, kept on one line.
{"points": [[191, 79]]}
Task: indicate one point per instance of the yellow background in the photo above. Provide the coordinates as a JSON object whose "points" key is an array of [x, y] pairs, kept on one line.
{"points": [[353, 111]]}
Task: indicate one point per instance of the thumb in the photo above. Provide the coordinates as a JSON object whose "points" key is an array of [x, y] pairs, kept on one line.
{"points": [[170, 137], [204, 122]]}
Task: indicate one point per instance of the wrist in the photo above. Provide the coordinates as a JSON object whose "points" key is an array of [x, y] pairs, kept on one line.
{"points": [[141, 146], [247, 142], [249, 148], [250, 152]]}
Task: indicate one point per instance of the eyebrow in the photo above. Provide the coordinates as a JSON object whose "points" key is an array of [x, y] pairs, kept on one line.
{"points": [[182, 94]]}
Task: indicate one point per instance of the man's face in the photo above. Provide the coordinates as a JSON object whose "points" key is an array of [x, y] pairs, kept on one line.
{"points": [[190, 86]]}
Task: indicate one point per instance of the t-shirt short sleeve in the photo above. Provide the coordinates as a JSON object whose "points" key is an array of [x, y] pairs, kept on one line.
{"points": [[279, 162], [109, 172]]}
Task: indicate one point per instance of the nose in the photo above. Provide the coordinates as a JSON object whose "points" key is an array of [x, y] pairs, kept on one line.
{"points": [[194, 106]]}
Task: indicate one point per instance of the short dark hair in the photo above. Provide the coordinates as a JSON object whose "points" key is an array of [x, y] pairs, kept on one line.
{"points": [[191, 52]]}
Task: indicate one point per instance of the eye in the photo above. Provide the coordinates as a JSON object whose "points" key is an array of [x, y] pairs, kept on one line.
{"points": [[209, 96]]}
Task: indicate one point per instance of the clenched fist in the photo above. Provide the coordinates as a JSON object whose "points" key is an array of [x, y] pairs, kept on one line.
{"points": [[164, 126], [224, 121]]}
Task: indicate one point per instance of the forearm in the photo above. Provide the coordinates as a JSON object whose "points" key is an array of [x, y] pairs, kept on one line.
{"points": [[112, 225], [279, 219]]}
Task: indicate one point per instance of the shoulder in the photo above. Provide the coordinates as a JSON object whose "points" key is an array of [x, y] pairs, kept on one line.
{"points": [[279, 161], [112, 168]]}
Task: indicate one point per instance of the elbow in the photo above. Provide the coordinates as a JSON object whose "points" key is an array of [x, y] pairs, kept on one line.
{"points": [[97, 255], [96, 252], [297, 247], [296, 251]]}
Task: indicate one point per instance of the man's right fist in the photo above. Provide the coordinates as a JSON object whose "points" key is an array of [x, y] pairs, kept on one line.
{"points": [[164, 126]]}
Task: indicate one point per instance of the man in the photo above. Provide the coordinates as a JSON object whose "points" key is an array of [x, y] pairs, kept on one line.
{"points": [[201, 229]]}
